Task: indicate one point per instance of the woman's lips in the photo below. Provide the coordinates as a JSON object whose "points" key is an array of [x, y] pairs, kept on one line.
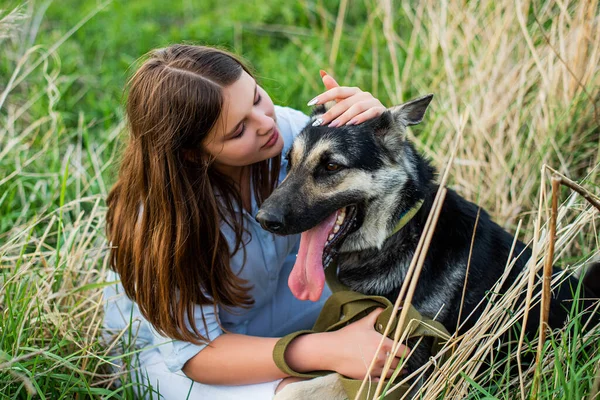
{"points": [[272, 140]]}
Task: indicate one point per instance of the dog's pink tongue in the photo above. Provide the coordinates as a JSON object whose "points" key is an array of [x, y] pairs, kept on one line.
{"points": [[307, 278]]}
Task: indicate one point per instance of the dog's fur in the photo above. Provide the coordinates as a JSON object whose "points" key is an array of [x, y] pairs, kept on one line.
{"points": [[378, 171]]}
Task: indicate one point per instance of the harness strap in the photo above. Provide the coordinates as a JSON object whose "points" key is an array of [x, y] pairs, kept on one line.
{"points": [[344, 307]]}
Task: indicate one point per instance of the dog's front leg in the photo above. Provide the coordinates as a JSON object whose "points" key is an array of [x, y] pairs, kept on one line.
{"points": [[419, 355], [324, 387]]}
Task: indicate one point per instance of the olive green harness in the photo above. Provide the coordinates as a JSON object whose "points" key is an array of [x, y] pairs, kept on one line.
{"points": [[346, 306]]}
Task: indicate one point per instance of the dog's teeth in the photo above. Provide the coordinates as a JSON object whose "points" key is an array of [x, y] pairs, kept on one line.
{"points": [[330, 236], [340, 219], [336, 229]]}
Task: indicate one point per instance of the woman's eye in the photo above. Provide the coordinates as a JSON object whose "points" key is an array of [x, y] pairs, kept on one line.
{"points": [[258, 99], [332, 167], [241, 132]]}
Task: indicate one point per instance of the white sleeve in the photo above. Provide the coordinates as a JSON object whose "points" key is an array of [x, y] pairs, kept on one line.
{"points": [[290, 123], [176, 352]]}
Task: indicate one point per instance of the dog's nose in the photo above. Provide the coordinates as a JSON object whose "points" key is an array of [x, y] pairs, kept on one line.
{"points": [[270, 221]]}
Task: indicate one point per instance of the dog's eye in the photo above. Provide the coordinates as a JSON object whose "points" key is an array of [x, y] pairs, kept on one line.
{"points": [[332, 167]]}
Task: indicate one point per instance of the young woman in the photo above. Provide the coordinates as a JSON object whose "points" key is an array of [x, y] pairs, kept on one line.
{"points": [[200, 289]]}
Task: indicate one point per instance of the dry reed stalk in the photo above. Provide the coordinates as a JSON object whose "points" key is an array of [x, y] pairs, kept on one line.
{"points": [[466, 280], [413, 272], [472, 347], [586, 194], [465, 352], [546, 295], [337, 34], [388, 32], [403, 290], [10, 23], [428, 232], [421, 253], [368, 29], [532, 271], [510, 109]]}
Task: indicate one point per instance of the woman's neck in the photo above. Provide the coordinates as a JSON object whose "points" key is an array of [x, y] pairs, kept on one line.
{"points": [[241, 176]]}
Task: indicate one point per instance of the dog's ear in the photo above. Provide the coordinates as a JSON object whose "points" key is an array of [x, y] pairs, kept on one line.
{"points": [[390, 127], [412, 112]]}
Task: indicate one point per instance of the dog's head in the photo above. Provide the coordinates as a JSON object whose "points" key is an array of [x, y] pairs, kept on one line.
{"points": [[341, 188]]}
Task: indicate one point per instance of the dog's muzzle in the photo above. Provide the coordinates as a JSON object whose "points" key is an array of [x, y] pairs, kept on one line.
{"points": [[270, 221]]}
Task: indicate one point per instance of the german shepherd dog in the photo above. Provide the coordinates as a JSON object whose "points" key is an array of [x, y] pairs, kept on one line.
{"points": [[346, 189]]}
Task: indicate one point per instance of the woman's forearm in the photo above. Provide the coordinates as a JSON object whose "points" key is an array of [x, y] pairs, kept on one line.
{"points": [[233, 359]]}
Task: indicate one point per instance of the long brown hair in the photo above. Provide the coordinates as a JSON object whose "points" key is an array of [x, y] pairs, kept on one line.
{"points": [[175, 255]]}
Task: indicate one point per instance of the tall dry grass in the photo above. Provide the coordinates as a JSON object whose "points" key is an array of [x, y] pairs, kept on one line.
{"points": [[518, 78]]}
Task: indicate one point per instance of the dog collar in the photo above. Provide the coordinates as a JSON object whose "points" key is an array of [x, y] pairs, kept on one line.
{"points": [[406, 216]]}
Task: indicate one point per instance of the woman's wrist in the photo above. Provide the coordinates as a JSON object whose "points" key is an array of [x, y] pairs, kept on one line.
{"points": [[310, 352]]}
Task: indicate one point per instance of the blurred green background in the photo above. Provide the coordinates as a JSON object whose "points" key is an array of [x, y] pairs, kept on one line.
{"points": [[278, 38]]}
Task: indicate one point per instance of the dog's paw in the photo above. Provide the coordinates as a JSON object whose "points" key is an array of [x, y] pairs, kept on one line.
{"points": [[325, 387]]}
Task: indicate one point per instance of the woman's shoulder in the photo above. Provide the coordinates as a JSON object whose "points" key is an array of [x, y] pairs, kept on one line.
{"points": [[290, 122], [291, 116]]}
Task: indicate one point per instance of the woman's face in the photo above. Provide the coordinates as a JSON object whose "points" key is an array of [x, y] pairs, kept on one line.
{"points": [[246, 132]]}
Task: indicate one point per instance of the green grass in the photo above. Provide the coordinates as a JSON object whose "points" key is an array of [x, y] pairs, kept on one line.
{"points": [[61, 136]]}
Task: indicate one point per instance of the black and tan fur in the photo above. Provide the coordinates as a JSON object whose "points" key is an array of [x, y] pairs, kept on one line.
{"points": [[375, 169]]}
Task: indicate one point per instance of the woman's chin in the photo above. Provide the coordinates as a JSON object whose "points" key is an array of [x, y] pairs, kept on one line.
{"points": [[274, 150]]}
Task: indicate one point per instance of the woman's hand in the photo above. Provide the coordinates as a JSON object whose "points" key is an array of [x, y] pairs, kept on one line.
{"points": [[348, 351], [353, 105], [356, 344]]}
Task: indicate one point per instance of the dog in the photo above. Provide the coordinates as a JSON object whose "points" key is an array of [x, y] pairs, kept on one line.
{"points": [[346, 190]]}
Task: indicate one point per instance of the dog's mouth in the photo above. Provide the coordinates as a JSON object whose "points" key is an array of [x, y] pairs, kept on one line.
{"points": [[342, 227], [318, 248]]}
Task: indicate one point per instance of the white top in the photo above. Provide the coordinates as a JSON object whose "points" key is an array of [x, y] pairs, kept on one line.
{"points": [[266, 255]]}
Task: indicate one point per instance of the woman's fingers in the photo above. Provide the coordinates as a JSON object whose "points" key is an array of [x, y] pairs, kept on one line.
{"points": [[352, 107], [400, 356], [352, 112], [336, 93], [345, 110], [371, 319], [328, 80], [393, 367], [365, 116], [357, 114], [402, 351]]}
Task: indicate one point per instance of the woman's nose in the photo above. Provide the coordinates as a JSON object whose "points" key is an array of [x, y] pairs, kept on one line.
{"points": [[264, 122]]}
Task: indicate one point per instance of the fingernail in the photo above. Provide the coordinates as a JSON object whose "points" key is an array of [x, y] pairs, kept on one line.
{"points": [[352, 122], [334, 124], [317, 122], [322, 72], [313, 101]]}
